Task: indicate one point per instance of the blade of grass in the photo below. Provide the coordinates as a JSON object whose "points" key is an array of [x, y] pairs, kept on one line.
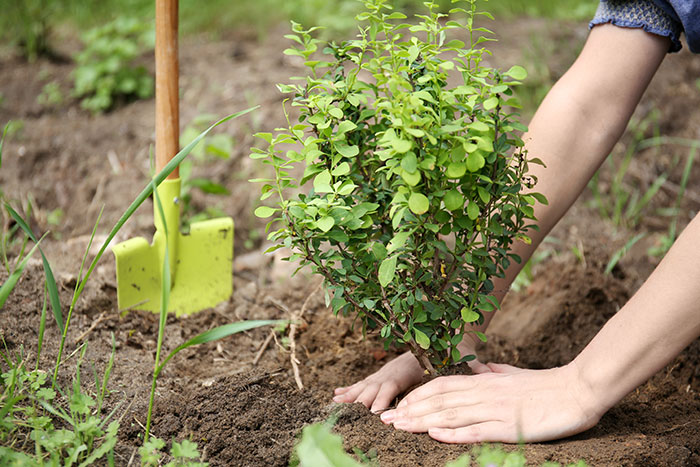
{"points": [[9, 285], [105, 377], [619, 254], [2, 139], [165, 286], [219, 333], [42, 328], [48, 273], [64, 331], [636, 211]]}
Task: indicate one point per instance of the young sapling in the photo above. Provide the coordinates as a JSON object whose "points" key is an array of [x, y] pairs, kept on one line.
{"points": [[417, 187]]}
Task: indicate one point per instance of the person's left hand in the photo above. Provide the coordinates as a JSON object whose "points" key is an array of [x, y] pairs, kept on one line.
{"points": [[508, 405]]}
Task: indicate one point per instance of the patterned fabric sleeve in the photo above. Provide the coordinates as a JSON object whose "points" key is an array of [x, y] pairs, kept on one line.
{"points": [[644, 14]]}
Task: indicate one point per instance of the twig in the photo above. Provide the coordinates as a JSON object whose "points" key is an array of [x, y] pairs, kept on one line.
{"points": [[131, 459], [101, 318], [296, 317], [264, 346], [141, 425], [277, 304]]}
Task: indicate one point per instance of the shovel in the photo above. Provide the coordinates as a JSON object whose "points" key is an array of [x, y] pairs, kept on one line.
{"points": [[201, 261]]}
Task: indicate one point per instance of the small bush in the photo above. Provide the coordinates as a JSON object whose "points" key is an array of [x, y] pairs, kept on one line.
{"points": [[417, 186]]}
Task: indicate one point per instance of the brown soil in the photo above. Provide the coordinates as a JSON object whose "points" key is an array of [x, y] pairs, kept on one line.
{"points": [[245, 414]]}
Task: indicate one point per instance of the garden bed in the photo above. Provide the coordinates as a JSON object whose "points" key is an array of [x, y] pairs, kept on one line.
{"points": [[242, 413]]}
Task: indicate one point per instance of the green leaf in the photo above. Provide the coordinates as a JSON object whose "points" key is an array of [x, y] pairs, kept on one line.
{"points": [[478, 125], [412, 178], [540, 197], [398, 241], [48, 272], [320, 447], [185, 450], [386, 270], [453, 200], [421, 339], [472, 211], [469, 316], [322, 182], [491, 103], [342, 169], [409, 162], [517, 72], [379, 251], [345, 126], [483, 194], [11, 281], [475, 161], [325, 223], [265, 211], [218, 333], [347, 151], [456, 170], [418, 203], [335, 112]]}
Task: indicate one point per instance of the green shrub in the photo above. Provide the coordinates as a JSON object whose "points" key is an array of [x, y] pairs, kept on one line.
{"points": [[105, 70], [417, 186]]}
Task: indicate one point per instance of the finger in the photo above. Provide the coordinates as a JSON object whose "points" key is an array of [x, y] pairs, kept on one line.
{"points": [[479, 368], [454, 417], [503, 368], [493, 431], [386, 394], [351, 394], [344, 389], [368, 395], [437, 386]]}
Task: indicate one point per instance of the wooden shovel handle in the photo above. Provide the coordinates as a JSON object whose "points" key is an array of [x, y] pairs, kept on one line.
{"points": [[167, 87]]}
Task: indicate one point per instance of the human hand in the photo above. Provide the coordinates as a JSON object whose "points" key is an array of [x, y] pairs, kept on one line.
{"points": [[378, 390], [507, 404]]}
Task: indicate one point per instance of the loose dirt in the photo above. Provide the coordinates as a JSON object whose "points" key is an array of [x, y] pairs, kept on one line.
{"points": [[245, 414]]}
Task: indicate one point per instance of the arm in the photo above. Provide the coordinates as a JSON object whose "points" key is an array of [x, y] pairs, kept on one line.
{"points": [[513, 405], [580, 120]]}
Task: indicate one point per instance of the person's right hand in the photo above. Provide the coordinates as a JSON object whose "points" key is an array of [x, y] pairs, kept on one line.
{"points": [[378, 389]]}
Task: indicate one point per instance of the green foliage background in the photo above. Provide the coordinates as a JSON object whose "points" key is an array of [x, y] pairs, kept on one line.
{"points": [[25, 20]]}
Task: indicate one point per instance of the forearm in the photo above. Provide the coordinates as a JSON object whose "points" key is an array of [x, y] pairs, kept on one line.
{"points": [[579, 122], [660, 320]]}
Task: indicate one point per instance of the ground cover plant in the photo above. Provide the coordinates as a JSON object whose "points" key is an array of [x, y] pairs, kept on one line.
{"points": [[419, 188], [106, 72]]}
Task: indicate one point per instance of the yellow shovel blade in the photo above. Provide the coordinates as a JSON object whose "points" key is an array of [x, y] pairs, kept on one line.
{"points": [[202, 276]]}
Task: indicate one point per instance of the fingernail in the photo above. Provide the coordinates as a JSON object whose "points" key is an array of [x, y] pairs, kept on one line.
{"points": [[338, 399], [387, 417], [403, 403]]}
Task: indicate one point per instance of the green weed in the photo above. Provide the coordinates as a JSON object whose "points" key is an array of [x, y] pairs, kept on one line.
{"points": [[51, 95], [320, 447], [669, 237], [27, 24], [621, 202], [105, 71], [217, 146], [619, 254]]}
